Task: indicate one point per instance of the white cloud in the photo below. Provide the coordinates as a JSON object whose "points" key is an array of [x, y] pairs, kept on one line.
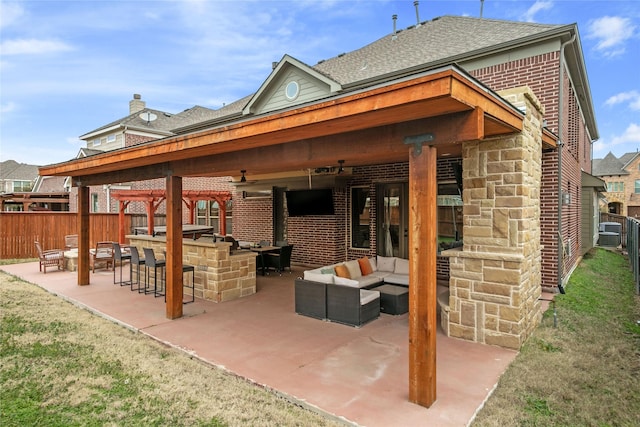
{"points": [[32, 47], [630, 135], [632, 98], [7, 107], [11, 12], [611, 33], [538, 6]]}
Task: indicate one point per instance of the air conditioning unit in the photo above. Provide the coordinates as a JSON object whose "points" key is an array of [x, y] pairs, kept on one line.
{"points": [[608, 238]]}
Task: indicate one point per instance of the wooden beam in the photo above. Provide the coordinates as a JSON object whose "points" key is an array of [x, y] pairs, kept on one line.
{"points": [[378, 145], [173, 285], [422, 275], [83, 236]]}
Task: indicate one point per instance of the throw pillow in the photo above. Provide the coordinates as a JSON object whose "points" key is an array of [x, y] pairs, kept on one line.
{"points": [[374, 263], [354, 269], [402, 266], [386, 263], [327, 270], [342, 271], [365, 266]]}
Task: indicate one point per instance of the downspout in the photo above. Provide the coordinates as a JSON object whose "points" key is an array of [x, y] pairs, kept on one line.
{"points": [[560, 144]]}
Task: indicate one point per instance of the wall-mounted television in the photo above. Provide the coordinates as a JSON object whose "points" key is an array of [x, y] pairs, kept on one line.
{"points": [[310, 202]]}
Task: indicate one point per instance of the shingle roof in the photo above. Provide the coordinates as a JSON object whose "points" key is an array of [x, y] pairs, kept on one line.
{"points": [[608, 166], [50, 184], [445, 39], [12, 170], [628, 158], [163, 122]]}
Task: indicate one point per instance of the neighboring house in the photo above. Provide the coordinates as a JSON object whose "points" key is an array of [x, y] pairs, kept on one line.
{"points": [[622, 176], [17, 177], [518, 190], [142, 125], [24, 190]]}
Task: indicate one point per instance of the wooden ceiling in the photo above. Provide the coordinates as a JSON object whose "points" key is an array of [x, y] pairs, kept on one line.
{"points": [[362, 128]]}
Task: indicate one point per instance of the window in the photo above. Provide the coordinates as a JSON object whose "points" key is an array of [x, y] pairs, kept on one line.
{"points": [[637, 189], [96, 142], [208, 213], [292, 90], [360, 217], [111, 138], [94, 202], [21, 186], [615, 187]]}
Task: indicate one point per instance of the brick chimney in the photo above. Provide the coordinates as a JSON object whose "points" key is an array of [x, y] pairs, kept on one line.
{"points": [[136, 104]]}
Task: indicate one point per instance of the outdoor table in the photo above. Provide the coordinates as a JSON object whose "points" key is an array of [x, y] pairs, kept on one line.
{"points": [[263, 250]]}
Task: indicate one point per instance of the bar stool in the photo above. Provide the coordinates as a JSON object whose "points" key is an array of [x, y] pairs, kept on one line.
{"points": [[135, 260], [119, 256], [185, 269], [151, 261]]}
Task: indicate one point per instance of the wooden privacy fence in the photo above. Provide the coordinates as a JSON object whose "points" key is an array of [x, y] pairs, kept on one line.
{"points": [[19, 231]]}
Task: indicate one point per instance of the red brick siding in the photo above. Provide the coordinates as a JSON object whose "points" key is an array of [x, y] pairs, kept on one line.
{"points": [[541, 73]]}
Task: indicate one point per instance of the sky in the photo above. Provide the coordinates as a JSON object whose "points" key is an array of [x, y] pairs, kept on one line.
{"points": [[69, 67]]}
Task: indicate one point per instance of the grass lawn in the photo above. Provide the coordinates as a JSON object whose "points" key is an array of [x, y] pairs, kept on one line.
{"points": [[585, 372], [62, 366]]}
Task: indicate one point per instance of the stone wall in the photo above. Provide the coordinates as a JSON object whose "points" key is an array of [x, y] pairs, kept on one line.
{"points": [[220, 275], [495, 278]]}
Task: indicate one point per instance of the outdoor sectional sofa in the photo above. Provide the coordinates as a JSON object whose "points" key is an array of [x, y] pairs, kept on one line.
{"points": [[341, 292]]}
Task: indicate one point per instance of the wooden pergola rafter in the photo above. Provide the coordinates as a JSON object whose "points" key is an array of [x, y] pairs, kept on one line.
{"points": [[154, 198]]}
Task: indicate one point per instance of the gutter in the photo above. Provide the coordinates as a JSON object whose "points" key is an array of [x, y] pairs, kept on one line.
{"points": [[560, 145]]}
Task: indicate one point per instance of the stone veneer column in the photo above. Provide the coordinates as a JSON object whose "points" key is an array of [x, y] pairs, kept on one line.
{"points": [[495, 280]]}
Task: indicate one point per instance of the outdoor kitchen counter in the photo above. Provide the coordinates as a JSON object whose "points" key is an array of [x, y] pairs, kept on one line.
{"points": [[220, 275]]}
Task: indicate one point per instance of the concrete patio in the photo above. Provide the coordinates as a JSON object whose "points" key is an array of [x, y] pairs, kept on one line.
{"points": [[359, 376]]}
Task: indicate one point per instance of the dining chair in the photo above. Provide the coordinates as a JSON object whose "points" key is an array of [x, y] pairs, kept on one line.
{"points": [[281, 260]]}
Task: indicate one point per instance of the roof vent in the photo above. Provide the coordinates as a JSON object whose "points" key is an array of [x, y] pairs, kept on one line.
{"points": [[394, 17], [416, 3]]}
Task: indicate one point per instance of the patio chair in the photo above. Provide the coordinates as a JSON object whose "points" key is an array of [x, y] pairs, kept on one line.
{"points": [[50, 258], [102, 254], [311, 298], [352, 306], [281, 260], [119, 257], [70, 242]]}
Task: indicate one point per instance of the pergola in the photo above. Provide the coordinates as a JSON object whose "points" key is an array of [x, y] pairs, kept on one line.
{"points": [[414, 119], [153, 198], [27, 199]]}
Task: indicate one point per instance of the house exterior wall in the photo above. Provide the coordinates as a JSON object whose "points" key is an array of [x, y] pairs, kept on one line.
{"points": [[629, 200], [494, 287], [541, 74]]}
